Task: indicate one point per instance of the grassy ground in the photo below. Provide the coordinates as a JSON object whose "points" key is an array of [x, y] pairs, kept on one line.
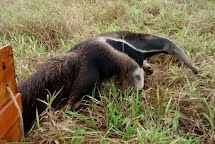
{"points": [[176, 105]]}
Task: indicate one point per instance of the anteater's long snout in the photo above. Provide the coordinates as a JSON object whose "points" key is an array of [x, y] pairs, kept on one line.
{"points": [[173, 50]]}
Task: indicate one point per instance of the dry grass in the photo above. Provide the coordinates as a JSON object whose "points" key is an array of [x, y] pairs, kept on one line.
{"points": [[175, 106]]}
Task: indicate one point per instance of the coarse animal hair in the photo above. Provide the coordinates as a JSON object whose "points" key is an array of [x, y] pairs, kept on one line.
{"points": [[76, 74], [140, 46], [85, 66]]}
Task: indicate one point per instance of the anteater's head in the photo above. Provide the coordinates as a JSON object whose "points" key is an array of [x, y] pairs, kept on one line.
{"points": [[141, 46], [152, 44]]}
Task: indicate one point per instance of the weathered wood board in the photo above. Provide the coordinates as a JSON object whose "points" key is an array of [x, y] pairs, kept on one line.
{"points": [[9, 120]]}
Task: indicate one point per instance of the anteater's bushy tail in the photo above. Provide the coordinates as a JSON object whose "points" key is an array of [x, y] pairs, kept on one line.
{"points": [[53, 75]]}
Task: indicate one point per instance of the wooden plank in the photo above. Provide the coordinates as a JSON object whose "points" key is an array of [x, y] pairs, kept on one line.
{"points": [[9, 119], [7, 74], [13, 134], [9, 115]]}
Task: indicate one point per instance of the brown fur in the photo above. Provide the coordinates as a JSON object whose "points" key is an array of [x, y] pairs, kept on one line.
{"points": [[76, 74], [88, 64]]}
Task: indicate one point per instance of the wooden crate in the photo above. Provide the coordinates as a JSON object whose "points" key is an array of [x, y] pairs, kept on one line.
{"points": [[10, 129]]}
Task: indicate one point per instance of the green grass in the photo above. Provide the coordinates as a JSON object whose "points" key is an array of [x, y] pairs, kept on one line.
{"points": [[175, 106]]}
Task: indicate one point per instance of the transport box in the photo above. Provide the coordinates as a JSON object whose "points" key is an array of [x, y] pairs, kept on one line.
{"points": [[10, 128]]}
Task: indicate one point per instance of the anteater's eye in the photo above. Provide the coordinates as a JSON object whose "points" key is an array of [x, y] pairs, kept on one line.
{"points": [[137, 77]]}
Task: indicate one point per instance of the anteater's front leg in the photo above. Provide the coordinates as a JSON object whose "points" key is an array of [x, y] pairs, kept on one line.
{"points": [[147, 68]]}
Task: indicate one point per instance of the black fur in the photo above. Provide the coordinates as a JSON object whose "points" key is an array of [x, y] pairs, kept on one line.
{"points": [[146, 45], [87, 65], [76, 73]]}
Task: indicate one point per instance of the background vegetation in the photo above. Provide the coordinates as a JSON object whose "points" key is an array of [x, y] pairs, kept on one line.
{"points": [[176, 106]]}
